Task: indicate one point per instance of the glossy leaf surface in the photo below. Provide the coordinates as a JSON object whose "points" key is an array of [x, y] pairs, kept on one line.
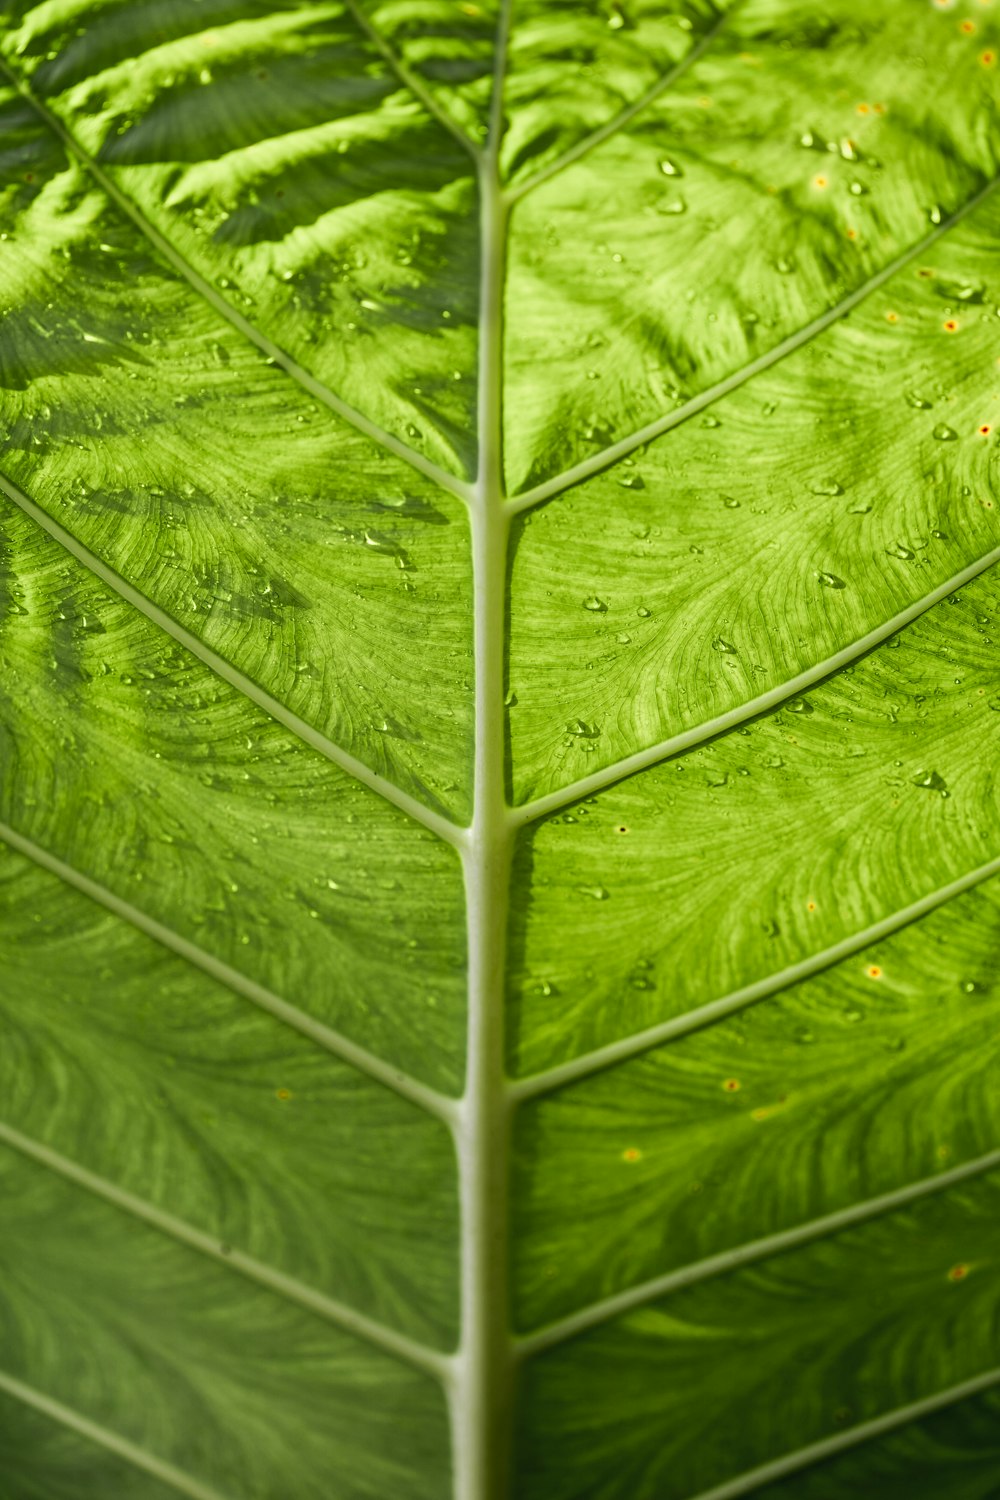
{"points": [[499, 728]]}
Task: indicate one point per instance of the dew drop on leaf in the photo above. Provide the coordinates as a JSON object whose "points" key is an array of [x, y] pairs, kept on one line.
{"points": [[831, 581], [595, 605], [944, 433]]}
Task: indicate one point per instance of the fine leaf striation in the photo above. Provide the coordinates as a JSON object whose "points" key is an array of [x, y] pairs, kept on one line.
{"points": [[499, 863]]}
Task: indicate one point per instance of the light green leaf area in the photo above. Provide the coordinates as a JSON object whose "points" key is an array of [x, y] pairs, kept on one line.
{"points": [[876, 1073], [745, 202], [763, 849], [138, 419], [129, 761], [796, 519], [499, 729], [275, 150]]}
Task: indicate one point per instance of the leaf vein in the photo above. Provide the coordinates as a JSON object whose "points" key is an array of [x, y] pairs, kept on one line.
{"points": [[210, 294], [140, 1458], [625, 116], [422, 1356], [434, 821], [787, 346], [700, 734], [706, 1015], [359, 1058], [748, 1254]]}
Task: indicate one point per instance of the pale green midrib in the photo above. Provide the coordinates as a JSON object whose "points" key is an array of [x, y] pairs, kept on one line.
{"points": [[781, 350], [422, 1356], [411, 80], [538, 1084], [428, 1099], [700, 734], [625, 116], [746, 1254], [865, 1432], [204, 288], [132, 1453], [428, 817], [481, 1397]]}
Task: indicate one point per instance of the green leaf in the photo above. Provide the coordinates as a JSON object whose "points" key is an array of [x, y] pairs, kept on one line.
{"points": [[499, 717]]}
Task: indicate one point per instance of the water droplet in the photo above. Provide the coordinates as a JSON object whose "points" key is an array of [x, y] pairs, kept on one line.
{"points": [[581, 730], [670, 168], [803, 1035], [799, 706], [826, 487], [671, 205], [726, 647], [900, 550], [919, 402], [643, 612], [934, 214], [595, 605], [931, 780], [968, 986], [861, 509], [623, 639], [945, 434], [511, 699], [831, 581], [730, 503], [858, 189], [597, 892], [710, 422], [632, 482]]}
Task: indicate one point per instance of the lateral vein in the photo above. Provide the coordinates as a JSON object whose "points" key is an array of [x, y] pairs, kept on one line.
{"points": [[624, 116], [211, 295], [700, 734], [348, 1318], [436, 822], [598, 461], [732, 1260], [802, 1458], [376, 1068], [558, 1077], [411, 80], [140, 1458]]}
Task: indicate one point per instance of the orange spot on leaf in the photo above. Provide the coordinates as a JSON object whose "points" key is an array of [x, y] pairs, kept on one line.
{"points": [[950, 325], [958, 1273], [282, 1094], [631, 1154], [731, 1085], [873, 971]]}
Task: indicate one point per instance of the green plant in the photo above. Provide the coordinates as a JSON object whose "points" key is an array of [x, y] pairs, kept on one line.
{"points": [[499, 739]]}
